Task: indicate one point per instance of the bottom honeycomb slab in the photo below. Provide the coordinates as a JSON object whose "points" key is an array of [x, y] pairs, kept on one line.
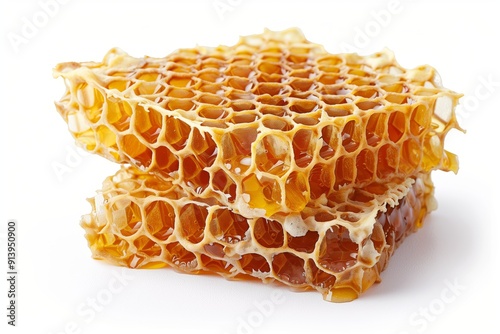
{"points": [[337, 246]]}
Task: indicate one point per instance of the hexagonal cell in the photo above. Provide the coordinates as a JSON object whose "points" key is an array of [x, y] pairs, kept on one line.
{"points": [[119, 85], [254, 263], [177, 132], [337, 251], [273, 154], [148, 123], [208, 87], [214, 249], [366, 92], [433, 152], [333, 99], [211, 99], [268, 233], [240, 83], [304, 73], [321, 180], [180, 80], [375, 128], [303, 106], [179, 256], [263, 193], [136, 151], [229, 227], [339, 110], [296, 191], [236, 148], [244, 117], [369, 105], [396, 86], [165, 160], [270, 88], [243, 58], [277, 100], [221, 181], [212, 112], [330, 137], [192, 219], [329, 78], [295, 57], [271, 56], [387, 162], [194, 174], [301, 84], [320, 278], [276, 123], [309, 119], [351, 136], [128, 217], [178, 68], [209, 75], [215, 265], [180, 104], [118, 114], [361, 81], [360, 72], [304, 145], [146, 246], [345, 169], [273, 110], [289, 268], [149, 89], [269, 67], [420, 119], [160, 219], [241, 105], [411, 154], [181, 93], [306, 243], [397, 98], [91, 100], [365, 166], [106, 137], [204, 148], [264, 77], [360, 196], [215, 123], [243, 71], [330, 60], [396, 126]]}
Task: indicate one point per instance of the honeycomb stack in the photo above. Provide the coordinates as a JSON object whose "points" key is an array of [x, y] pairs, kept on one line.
{"points": [[271, 159]]}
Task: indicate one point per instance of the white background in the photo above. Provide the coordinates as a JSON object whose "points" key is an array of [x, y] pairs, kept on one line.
{"points": [[58, 278]]}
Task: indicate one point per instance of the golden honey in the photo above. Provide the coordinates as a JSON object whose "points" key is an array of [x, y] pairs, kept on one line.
{"points": [[271, 158]]}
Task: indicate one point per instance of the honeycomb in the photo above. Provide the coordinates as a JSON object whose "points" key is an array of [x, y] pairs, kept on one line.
{"points": [[266, 125], [271, 159], [140, 220]]}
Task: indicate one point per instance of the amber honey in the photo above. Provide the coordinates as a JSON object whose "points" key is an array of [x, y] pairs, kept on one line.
{"points": [[271, 158]]}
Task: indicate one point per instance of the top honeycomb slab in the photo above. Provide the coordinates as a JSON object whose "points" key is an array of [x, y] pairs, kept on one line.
{"points": [[265, 126]]}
